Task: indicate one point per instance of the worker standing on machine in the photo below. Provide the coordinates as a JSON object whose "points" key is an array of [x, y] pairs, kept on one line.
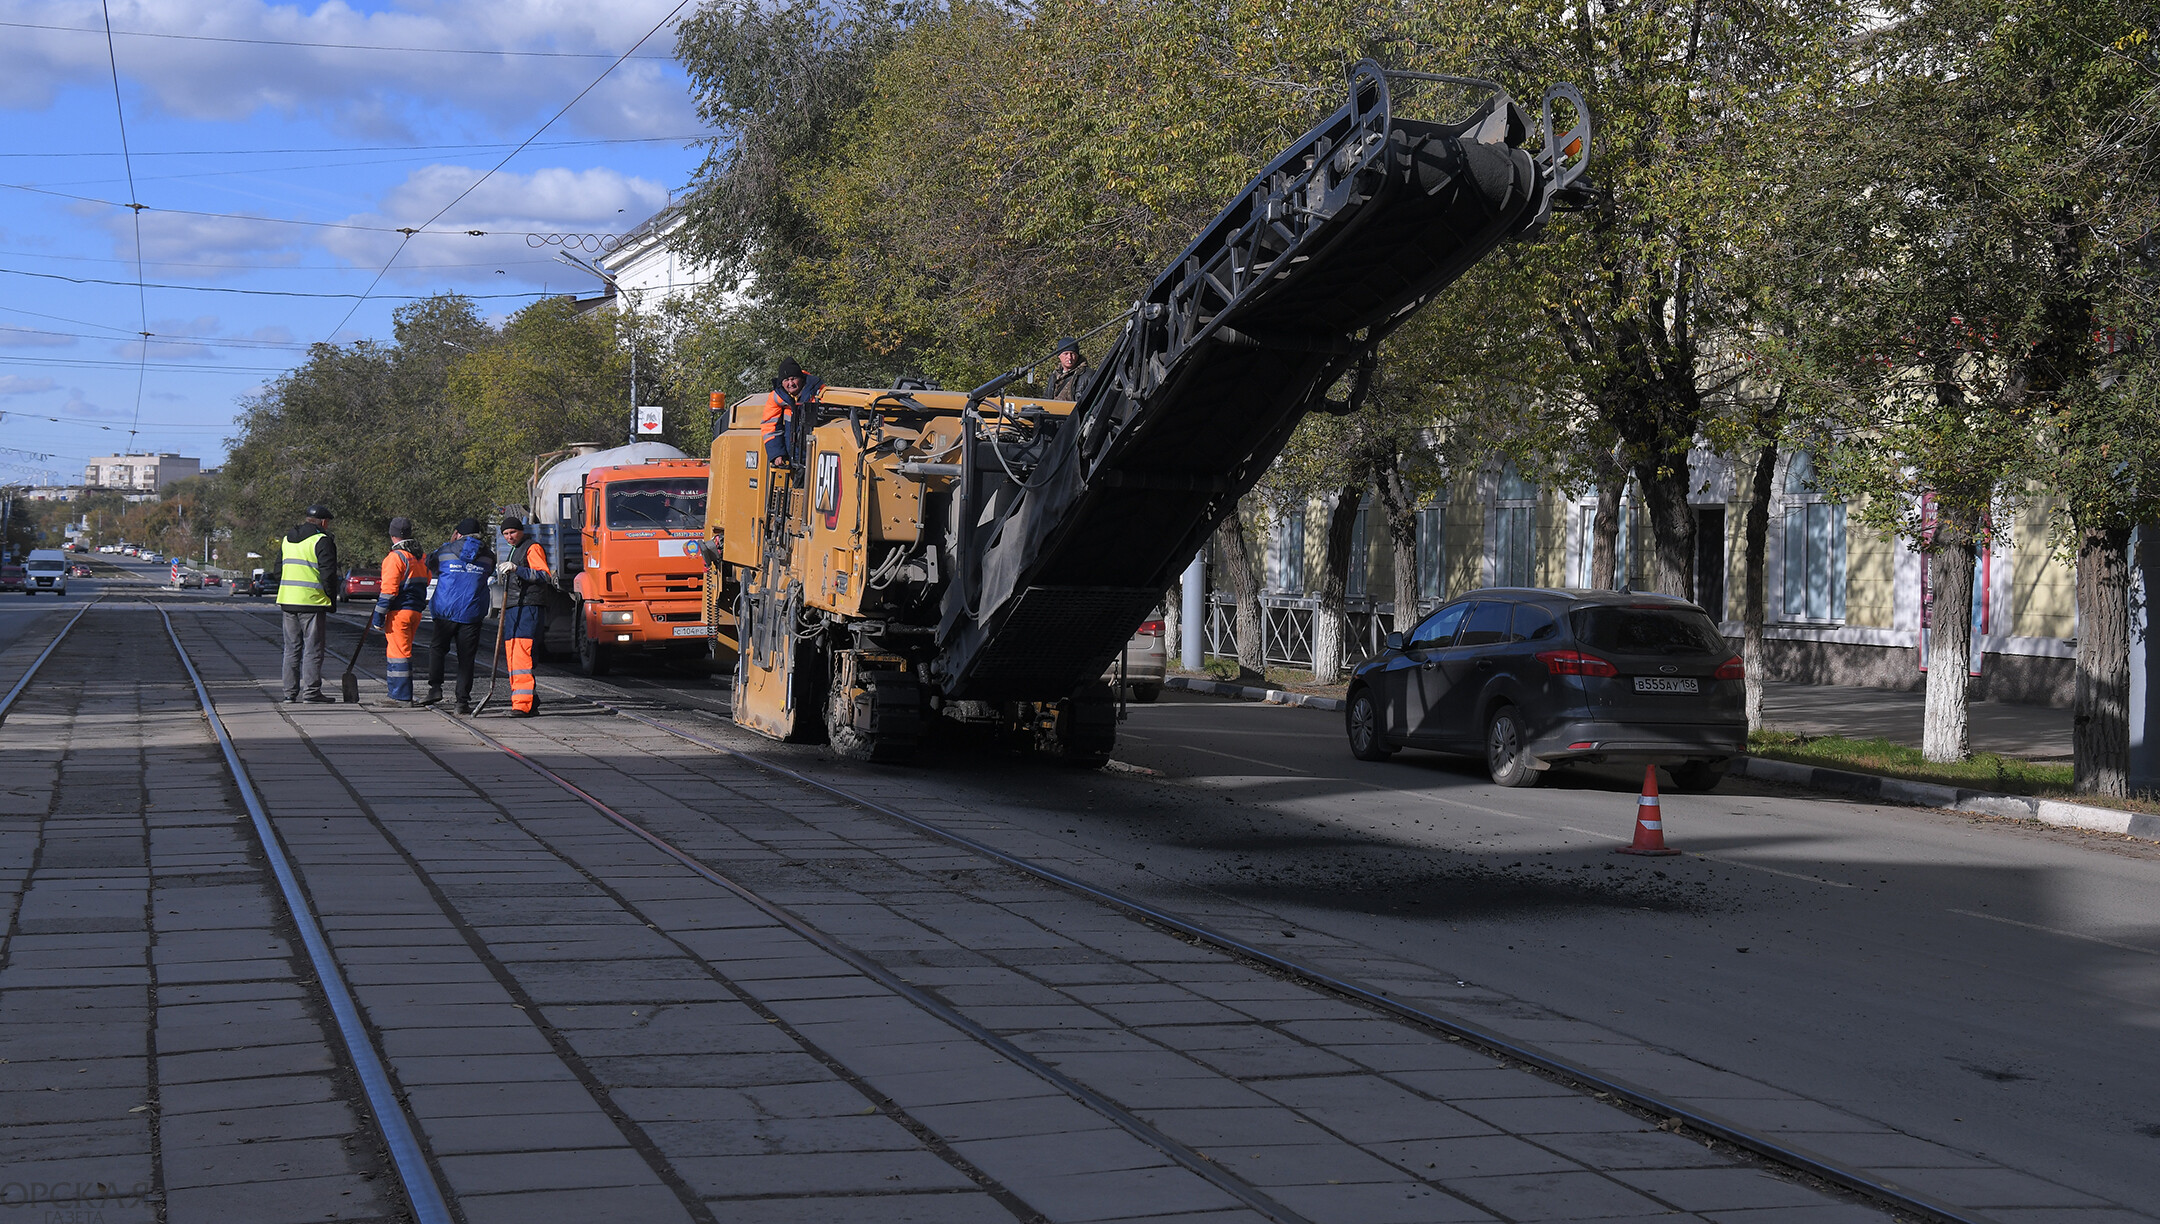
{"points": [[400, 598], [1071, 379], [526, 578], [792, 392]]}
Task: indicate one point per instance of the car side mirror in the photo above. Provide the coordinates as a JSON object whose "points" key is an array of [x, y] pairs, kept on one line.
{"points": [[1394, 641]]}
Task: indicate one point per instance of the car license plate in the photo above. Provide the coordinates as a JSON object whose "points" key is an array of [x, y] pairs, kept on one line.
{"points": [[1665, 684], [706, 631]]}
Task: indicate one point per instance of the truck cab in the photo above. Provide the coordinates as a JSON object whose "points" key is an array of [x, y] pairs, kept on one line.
{"points": [[622, 534]]}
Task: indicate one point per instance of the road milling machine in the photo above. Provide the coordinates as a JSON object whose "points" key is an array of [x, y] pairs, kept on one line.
{"points": [[981, 557]]}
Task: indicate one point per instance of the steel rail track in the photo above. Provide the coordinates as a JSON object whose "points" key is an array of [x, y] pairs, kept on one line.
{"points": [[1252, 1197], [1884, 1193], [1789, 1155], [422, 1191], [8, 702]]}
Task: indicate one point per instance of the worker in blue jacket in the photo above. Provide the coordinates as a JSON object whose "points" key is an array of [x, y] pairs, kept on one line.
{"points": [[460, 604]]}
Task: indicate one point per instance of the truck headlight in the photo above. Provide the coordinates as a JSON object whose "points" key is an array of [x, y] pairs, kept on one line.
{"points": [[616, 618]]}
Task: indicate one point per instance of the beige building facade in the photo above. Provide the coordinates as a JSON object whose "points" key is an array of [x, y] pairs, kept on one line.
{"points": [[1844, 604]]}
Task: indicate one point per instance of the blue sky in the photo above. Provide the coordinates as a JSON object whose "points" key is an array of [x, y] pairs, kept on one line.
{"points": [[278, 148]]}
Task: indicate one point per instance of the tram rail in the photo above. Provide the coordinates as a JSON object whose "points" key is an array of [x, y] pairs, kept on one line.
{"points": [[1643, 1100], [395, 1126]]}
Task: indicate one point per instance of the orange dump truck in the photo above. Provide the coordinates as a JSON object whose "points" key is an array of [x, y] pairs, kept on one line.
{"points": [[622, 529]]}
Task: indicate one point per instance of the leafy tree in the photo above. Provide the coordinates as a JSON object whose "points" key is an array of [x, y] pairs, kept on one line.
{"points": [[1956, 216], [1641, 288]]}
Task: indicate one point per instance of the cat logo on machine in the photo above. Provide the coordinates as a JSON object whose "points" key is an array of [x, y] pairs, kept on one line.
{"points": [[828, 487]]}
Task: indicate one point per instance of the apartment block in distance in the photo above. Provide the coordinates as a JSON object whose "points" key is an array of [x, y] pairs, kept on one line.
{"points": [[138, 473]]}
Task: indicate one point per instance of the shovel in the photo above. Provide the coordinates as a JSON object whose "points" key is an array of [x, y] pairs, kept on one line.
{"points": [[349, 685], [494, 664]]}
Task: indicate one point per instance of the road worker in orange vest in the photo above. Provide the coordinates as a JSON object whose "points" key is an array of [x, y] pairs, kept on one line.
{"points": [[792, 392], [525, 580], [398, 604]]}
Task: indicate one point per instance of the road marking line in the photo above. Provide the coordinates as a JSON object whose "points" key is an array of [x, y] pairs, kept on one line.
{"points": [[2048, 930], [1217, 752]]}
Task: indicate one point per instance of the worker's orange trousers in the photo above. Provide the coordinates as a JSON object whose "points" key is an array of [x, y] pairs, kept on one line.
{"points": [[398, 631], [522, 695]]}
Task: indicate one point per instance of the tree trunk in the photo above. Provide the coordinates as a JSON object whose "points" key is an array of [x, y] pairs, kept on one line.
{"points": [[1755, 588], [1327, 643], [1402, 544], [1244, 583], [1946, 733], [1672, 526], [1605, 526], [1173, 622], [2100, 714]]}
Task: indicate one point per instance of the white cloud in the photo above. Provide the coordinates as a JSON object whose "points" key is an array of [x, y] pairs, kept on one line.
{"points": [[508, 206], [16, 384], [77, 406], [386, 94]]}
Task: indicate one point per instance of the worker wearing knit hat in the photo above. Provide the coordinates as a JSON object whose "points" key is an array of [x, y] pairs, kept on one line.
{"points": [[400, 597]]}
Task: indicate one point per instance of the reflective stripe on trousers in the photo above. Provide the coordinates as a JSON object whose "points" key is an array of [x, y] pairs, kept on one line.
{"points": [[523, 696], [398, 631]]}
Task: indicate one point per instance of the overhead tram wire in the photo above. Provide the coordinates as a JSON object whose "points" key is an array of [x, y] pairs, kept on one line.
{"points": [[293, 293], [475, 184], [465, 148], [127, 159], [329, 46]]}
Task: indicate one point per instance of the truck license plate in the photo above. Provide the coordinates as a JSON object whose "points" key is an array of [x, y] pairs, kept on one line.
{"points": [[1665, 684], [704, 631]]}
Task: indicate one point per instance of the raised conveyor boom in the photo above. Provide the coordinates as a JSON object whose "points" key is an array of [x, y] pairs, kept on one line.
{"points": [[1331, 247]]}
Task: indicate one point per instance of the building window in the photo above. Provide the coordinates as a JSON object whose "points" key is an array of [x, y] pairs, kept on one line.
{"points": [[1354, 584], [1623, 545], [1814, 547], [1515, 520], [1432, 553], [1290, 573]]}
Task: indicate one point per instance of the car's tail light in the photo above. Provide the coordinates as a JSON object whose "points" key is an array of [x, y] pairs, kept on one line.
{"points": [[1575, 663], [1151, 628], [1730, 669]]}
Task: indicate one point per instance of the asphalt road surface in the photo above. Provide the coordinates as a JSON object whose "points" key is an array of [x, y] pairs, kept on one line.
{"points": [[1981, 984]]}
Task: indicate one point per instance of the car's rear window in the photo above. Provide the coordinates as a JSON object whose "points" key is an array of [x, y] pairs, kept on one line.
{"points": [[1625, 630]]}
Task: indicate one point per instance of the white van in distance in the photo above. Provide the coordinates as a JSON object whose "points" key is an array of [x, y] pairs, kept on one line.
{"points": [[47, 572]]}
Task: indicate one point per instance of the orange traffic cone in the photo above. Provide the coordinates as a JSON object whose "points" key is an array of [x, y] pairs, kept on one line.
{"points": [[1649, 821]]}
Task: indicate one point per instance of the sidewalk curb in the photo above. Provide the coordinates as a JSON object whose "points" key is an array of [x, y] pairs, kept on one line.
{"points": [[1218, 688], [1926, 794]]}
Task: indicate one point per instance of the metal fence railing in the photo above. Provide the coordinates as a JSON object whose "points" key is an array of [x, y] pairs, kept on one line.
{"points": [[1287, 629]]}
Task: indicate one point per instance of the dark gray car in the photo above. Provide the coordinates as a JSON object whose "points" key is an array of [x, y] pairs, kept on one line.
{"points": [[1529, 679]]}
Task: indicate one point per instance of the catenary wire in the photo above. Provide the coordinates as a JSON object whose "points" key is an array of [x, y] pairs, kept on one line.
{"points": [[475, 184], [142, 301], [329, 46], [495, 144]]}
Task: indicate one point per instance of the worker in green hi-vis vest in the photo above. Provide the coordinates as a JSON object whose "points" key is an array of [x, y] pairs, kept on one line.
{"points": [[307, 590]]}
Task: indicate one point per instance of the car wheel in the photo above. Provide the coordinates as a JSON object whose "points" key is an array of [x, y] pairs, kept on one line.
{"points": [[1361, 718], [1506, 755], [1696, 777], [1145, 693]]}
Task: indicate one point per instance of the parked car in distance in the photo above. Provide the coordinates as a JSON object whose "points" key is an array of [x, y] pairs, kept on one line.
{"points": [[13, 577], [78, 570], [1529, 679], [362, 584], [1146, 661]]}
